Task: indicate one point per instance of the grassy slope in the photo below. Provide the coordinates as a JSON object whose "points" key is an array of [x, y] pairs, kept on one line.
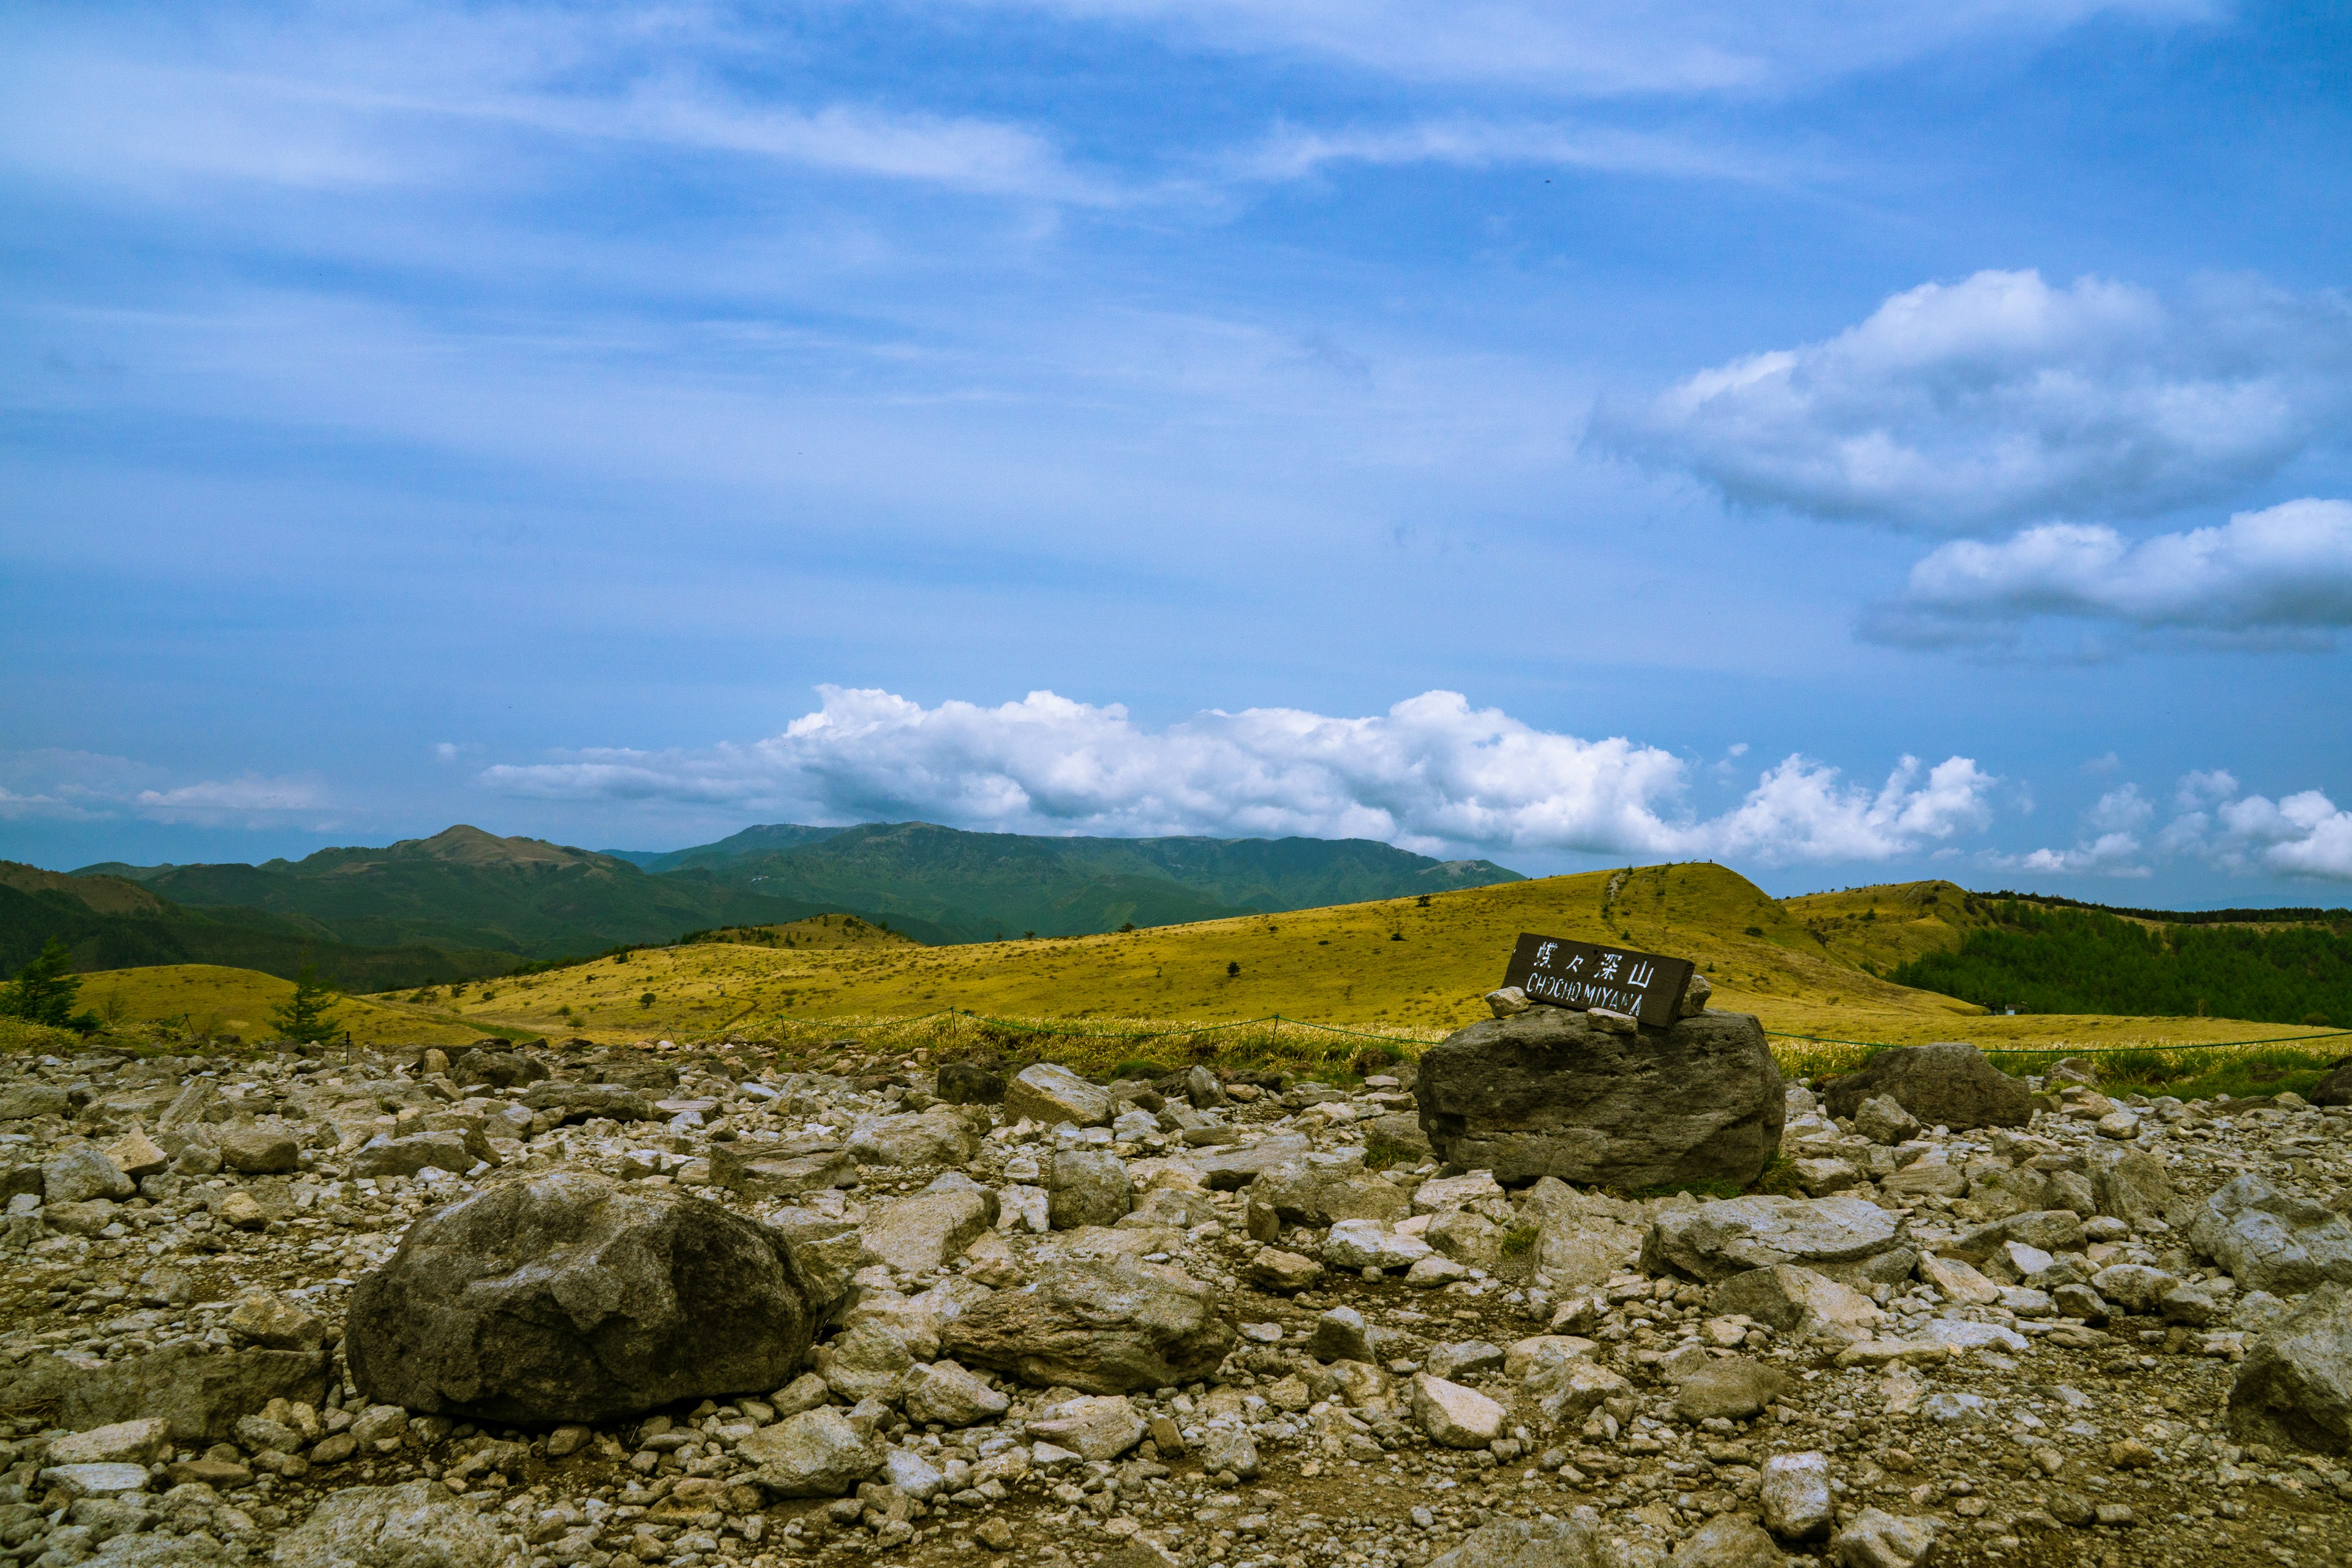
{"points": [[1337, 965], [1892, 923], [220, 1001]]}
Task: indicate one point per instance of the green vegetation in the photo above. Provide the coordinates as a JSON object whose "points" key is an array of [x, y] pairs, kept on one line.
{"points": [[2042, 959], [45, 991], [306, 1016], [108, 922]]}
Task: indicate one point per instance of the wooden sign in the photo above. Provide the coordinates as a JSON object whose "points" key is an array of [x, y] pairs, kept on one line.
{"points": [[1648, 986]]}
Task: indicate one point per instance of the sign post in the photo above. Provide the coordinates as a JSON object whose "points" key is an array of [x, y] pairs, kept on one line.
{"points": [[1648, 986]]}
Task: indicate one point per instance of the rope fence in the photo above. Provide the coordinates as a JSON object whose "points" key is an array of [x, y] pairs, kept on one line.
{"points": [[2080, 1051]]}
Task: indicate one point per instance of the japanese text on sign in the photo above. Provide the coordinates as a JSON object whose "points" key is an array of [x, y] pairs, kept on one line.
{"points": [[1579, 974]]}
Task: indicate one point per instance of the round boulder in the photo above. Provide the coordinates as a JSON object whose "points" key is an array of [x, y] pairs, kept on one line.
{"points": [[1948, 1084], [1548, 1092], [571, 1297]]}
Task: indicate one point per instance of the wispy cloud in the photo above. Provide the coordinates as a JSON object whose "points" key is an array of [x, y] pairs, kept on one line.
{"points": [[1295, 151], [2278, 577], [89, 787], [1431, 773], [1610, 47], [1961, 407]]}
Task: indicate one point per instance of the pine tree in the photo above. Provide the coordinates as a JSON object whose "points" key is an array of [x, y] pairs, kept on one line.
{"points": [[45, 991], [306, 1017]]}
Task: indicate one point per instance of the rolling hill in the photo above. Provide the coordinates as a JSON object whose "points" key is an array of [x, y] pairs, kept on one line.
{"points": [[984, 886], [1399, 963], [113, 923], [465, 888], [225, 1004]]}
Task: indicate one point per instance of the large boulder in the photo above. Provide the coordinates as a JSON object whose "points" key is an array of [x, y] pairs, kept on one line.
{"points": [[2131, 1184], [2294, 1387], [2335, 1088], [1088, 1186], [1321, 1190], [1546, 1543], [418, 1525], [1550, 1092], [935, 1135], [585, 1101], [2272, 1240], [569, 1297], [1799, 1302], [499, 1070], [80, 1173], [1717, 1240], [817, 1453], [1052, 1095], [199, 1393], [917, 1234], [1102, 1327], [1949, 1084]]}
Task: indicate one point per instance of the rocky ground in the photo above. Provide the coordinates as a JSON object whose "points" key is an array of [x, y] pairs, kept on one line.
{"points": [[1139, 1324]]}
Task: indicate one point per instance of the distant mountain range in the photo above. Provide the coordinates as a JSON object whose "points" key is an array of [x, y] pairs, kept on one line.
{"points": [[464, 903]]}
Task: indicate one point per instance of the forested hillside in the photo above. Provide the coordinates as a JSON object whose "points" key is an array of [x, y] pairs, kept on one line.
{"points": [[2042, 959]]}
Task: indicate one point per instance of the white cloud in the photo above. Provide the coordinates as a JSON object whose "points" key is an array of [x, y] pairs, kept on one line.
{"points": [[1293, 151], [1611, 46], [249, 796], [1960, 407], [2303, 834], [1433, 774], [2283, 574]]}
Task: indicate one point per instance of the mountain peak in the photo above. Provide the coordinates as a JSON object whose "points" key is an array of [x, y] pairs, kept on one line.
{"points": [[465, 845]]}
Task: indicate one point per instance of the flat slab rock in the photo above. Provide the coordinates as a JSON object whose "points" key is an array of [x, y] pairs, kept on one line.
{"points": [[1716, 1240], [1548, 1092]]}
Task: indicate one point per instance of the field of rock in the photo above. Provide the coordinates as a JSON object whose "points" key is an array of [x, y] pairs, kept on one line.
{"points": [[614, 1306]]}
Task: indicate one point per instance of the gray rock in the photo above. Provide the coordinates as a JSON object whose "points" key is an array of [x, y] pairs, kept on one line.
{"points": [[1733, 1389], [969, 1083], [1052, 1095], [935, 1135], [1453, 1415], [1947, 1084], [947, 1393], [200, 1394], [1566, 1389], [1341, 1334], [1103, 1327], [1094, 1427], [569, 1297], [498, 1070], [1718, 1239], [1231, 1448], [1468, 1237], [1882, 1119], [1800, 1302], [1230, 1169], [1202, 1090], [382, 1156], [2294, 1387], [743, 1168], [1545, 1543], [1548, 1092], [1463, 1358], [416, 1525], [2335, 1088], [24, 1102], [81, 1172], [1795, 1492], [2272, 1240], [917, 1234], [254, 1151], [1728, 1540], [1320, 1191], [817, 1453], [1087, 1187], [584, 1101], [863, 1361], [1876, 1539], [2131, 1184]]}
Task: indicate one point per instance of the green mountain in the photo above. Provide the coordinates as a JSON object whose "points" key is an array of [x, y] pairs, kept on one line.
{"points": [[465, 888], [750, 841], [113, 923], [979, 886]]}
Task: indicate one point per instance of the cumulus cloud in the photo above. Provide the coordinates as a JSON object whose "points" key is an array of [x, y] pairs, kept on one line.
{"points": [[1433, 775], [1964, 407], [2283, 574], [2303, 834]]}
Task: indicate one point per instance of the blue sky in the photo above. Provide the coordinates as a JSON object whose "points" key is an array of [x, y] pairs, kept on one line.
{"points": [[1851, 441]]}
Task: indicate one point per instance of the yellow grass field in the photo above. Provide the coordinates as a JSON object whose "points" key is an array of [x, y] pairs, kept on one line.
{"points": [[217, 1002], [1398, 967]]}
